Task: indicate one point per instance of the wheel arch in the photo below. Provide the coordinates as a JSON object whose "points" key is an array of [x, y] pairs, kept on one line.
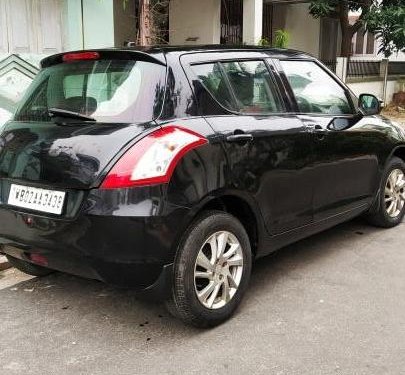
{"points": [[399, 152], [240, 207]]}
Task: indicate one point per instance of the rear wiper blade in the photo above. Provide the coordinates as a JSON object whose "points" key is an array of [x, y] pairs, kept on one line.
{"points": [[58, 112]]}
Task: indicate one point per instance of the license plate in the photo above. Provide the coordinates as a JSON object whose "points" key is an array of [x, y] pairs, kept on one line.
{"points": [[43, 200]]}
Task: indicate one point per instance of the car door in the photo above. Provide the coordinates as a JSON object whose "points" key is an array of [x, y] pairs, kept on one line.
{"points": [[345, 170], [269, 151]]}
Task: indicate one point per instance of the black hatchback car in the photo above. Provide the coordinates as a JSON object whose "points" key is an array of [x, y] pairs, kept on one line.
{"points": [[171, 169]]}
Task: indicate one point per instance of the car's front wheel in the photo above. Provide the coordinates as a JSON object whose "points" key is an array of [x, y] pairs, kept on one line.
{"points": [[211, 270], [390, 206]]}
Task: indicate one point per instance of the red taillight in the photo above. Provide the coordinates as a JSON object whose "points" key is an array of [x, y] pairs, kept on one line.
{"points": [[77, 56], [152, 160]]}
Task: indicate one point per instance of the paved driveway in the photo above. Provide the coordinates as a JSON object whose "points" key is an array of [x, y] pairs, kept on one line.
{"points": [[332, 304]]}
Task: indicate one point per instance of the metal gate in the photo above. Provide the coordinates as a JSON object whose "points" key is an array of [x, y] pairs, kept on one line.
{"points": [[268, 22], [231, 21]]}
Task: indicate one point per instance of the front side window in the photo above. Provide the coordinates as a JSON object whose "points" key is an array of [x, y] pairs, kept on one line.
{"points": [[240, 86], [315, 90], [122, 91]]}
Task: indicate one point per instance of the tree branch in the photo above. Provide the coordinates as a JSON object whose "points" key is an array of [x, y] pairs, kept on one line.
{"points": [[365, 5], [356, 26], [343, 14]]}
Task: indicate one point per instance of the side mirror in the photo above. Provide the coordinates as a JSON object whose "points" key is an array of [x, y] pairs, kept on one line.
{"points": [[343, 123], [339, 123], [369, 104]]}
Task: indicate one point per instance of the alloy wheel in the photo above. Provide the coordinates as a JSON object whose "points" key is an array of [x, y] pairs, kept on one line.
{"points": [[394, 194], [218, 270]]}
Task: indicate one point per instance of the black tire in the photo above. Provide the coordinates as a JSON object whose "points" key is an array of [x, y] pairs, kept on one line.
{"points": [[379, 215], [27, 267], [183, 302]]}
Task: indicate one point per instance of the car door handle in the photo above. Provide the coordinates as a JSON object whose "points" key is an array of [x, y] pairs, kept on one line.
{"points": [[318, 130], [315, 128], [239, 138]]}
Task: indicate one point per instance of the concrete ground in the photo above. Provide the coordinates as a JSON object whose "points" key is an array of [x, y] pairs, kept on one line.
{"points": [[394, 114], [331, 304]]}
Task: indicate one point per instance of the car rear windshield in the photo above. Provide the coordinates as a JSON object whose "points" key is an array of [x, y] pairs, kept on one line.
{"points": [[121, 91]]}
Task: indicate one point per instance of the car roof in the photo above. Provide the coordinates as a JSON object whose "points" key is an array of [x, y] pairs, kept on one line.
{"points": [[157, 53], [181, 49]]}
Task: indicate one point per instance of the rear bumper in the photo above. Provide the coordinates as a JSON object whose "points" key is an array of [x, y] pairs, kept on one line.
{"points": [[152, 280], [126, 251], [136, 275]]}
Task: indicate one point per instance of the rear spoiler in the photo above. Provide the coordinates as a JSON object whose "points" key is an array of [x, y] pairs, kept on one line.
{"points": [[109, 54]]}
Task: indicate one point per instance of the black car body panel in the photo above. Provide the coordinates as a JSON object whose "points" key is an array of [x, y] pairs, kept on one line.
{"points": [[272, 165], [63, 156], [294, 177]]}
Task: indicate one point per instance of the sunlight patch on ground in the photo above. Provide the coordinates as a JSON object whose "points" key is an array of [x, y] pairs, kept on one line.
{"points": [[11, 278]]}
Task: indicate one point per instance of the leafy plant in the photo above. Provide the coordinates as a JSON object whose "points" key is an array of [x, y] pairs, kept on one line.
{"points": [[341, 10], [383, 17], [388, 24], [264, 42], [282, 39]]}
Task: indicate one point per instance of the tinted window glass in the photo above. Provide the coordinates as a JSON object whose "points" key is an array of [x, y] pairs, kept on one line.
{"points": [[214, 81], [315, 90], [108, 90], [242, 86]]}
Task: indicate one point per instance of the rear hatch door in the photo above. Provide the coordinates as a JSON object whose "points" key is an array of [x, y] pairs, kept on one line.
{"points": [[79, 113]]}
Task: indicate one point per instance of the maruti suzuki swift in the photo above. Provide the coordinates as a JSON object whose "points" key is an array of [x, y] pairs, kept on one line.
{"points": [[170, 170]]}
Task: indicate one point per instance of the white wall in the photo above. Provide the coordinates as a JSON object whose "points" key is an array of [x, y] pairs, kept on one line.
{"points": [[105, 23], [395, 57], [375, 88], [252, 21], [379, 56], [98, 23], [199, 19], [303, 28], [72, 22]]}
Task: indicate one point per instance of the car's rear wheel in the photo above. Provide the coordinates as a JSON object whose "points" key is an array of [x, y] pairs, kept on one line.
{"points": [[211, 270], [27, 267], [390, 206]]}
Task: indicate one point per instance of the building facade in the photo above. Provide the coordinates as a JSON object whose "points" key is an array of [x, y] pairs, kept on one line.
{"points": [[244, 21], [33, 29]]}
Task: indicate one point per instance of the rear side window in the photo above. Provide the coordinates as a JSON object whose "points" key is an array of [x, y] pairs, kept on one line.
{"points": [[122, 91], [240, 86], [315, 90]]}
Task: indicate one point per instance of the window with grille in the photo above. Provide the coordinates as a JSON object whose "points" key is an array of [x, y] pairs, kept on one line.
{"points": [[363, 43], [231, 21]]}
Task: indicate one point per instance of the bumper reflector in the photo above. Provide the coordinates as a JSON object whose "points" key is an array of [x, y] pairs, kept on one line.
{"points": [[38, 259]]}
